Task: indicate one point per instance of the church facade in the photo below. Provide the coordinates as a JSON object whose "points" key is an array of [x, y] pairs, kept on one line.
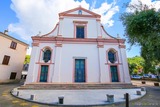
{"points": [[78, 50]]}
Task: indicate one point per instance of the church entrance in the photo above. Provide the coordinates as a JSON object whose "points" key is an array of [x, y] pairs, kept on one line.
{"points": [[79, 70], [44, 73], [114, 73]]}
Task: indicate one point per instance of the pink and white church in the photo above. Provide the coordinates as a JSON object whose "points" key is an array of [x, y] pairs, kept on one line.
{"points": [[78, 50]]}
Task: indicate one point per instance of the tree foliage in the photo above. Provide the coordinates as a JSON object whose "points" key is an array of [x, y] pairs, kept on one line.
{"points": [[142, 27], [136, 64], [27, 59]]}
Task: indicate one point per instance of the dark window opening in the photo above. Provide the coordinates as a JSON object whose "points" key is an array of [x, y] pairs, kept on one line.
{"points": [[13, 45], [80, 12], [111, 56], [23, 76], [80, 32], [13, 75], [47, 55], [6, 60]]}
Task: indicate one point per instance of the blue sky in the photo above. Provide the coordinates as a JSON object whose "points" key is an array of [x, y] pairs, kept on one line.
{"points": [[15, 15]]}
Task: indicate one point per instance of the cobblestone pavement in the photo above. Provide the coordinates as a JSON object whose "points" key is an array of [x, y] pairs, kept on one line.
{"points": [[7, 100], [151, 99]]}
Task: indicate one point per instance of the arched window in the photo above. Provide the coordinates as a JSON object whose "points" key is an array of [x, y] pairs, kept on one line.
{"points": [[80, 12], [112, 56], [47, 55]]}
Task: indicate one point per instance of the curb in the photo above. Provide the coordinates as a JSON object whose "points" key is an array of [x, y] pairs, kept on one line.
{"points": [[56, 103]]}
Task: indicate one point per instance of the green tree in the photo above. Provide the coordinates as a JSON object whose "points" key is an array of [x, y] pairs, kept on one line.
{"points": [[142, 27], [27, 59], [132, 66], [150, 66], [135, 64]]}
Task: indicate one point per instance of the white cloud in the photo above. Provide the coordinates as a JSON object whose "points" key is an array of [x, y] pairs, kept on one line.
{"points": [[93, 4], [150, 3], [42, 15], [107, 11]]}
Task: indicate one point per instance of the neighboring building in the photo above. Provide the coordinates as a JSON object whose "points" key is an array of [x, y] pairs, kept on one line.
{"points": [[78, 49], [12, 55], [24, 71]]}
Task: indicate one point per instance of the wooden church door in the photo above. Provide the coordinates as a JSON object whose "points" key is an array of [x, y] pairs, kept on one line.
{"points": [[114, 73], [44, 73], [79, 70]]}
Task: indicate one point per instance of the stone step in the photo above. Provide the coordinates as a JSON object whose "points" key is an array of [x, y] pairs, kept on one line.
{"points": [[74, 86]]}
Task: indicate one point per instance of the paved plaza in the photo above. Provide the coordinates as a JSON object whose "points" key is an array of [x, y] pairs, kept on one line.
{"points": [[151, 99], [78, 97]]}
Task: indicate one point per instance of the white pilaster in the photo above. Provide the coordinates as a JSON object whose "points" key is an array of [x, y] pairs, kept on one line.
{"points": [[57, 66], [102, 73], [60, 33], [51, 69], [125, 66], [98, 29], [32, 71]]}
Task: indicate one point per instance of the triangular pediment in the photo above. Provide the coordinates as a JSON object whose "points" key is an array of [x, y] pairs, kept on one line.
{"points": [[79, 11]]}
